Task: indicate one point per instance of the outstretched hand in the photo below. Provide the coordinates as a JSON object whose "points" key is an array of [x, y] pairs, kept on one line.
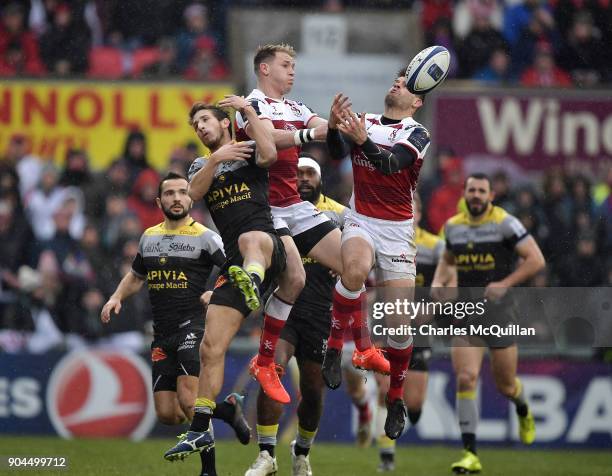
{"points": [[340, 107], [354, 127], [235, 102]]}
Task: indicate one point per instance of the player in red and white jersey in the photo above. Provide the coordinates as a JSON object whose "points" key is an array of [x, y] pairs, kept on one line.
{"points": [[304, 229], [387, 153]]}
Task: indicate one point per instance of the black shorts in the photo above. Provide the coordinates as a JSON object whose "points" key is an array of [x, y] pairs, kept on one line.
{"points": [[225, 294], [175, 355], [496, 314], [419, 362], [307, 240], [307, 331]]}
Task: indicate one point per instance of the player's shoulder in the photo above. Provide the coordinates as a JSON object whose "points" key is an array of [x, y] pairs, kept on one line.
{"points": [[155, 230], [499, 215], [460, 218], [373, 118], [409, 124], [427, 239], [327, 204], [256, 94]]}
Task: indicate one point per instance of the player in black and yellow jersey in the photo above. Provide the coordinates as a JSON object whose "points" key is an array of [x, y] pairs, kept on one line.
{"points": [[303, 337], [482, 246], [233, 180], [175, 259], [429, 251]]}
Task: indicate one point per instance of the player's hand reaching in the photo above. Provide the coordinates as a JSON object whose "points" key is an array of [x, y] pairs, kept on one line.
{"points": [[232, 151], [113, 304], [354, 127], [495, 291], [235, 102], [340, 107]]}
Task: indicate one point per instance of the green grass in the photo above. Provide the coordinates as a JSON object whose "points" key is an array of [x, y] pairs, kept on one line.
{"points": [[120, 457]]}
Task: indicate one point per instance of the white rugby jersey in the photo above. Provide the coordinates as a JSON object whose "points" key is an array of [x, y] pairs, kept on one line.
{"points": [[288, 115], [388, 197]]}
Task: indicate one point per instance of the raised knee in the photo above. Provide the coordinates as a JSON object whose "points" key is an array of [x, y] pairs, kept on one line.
{"points": [[354, 276], [466, 380]]}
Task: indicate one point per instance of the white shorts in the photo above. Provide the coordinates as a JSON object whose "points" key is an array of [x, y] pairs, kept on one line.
{"points": [[392, 242], [304, 222]]}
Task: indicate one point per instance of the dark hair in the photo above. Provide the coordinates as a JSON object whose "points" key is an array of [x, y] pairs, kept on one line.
{"points": [[266, 52], [169, 176], [216, 111], [477, 176]]}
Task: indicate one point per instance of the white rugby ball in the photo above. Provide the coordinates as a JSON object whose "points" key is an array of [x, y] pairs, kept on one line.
{"points": [[427, 69]]}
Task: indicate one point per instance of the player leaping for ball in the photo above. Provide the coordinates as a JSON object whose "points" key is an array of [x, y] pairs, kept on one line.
{"points": [[387, 152], [303, 228]]}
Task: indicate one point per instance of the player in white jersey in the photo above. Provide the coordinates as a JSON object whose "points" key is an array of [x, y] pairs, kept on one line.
{"points": [[303, 228], [387, 153]]}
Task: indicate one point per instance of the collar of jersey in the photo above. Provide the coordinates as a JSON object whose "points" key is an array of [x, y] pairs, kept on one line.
{"points": [[281, 100]]}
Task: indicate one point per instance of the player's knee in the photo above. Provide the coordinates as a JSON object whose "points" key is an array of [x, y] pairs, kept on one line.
{"points": [[466, 380], [354, 275], [210, 350], [247, 240], [292, 285]]}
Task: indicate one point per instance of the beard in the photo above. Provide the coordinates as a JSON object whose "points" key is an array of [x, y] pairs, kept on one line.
{"points": [[310, 194], [390, 101], [170, 215], [478, 208]]}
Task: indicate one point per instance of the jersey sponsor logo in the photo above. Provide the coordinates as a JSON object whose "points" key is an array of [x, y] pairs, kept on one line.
{"points": [[159, 275], [226, 192], [189, 342], [393, 134], [101, 394], [401, 258], [157, 354], [295, 109], [363, 162], [289, 127], [163, 259], [475, 262]]}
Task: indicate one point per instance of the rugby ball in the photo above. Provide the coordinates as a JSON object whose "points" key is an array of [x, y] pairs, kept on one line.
{"points": [[427, 69]]}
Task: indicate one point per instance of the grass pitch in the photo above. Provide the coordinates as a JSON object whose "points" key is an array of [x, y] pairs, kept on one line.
{"points": [[120, 457]]}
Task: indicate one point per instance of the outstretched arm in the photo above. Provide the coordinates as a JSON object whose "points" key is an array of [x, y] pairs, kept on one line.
{"points": [[129, 285]]}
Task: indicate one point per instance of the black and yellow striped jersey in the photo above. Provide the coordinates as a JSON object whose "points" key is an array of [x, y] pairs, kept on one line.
{"points": [[484, 250], [176, 265], [429, 250]]}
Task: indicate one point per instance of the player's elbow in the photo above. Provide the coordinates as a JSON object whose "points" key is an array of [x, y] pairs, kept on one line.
{"points": [[195, 194], [267, 157]]}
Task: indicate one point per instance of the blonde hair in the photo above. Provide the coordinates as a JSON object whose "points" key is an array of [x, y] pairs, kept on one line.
{"points": [[266, 52]]}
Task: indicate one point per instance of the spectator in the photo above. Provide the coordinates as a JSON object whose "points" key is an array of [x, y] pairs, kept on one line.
{"points": [[42, 203], [557, 208], [135, 154], [475, 50], [466, 13], [527, 209], [500, 184], [444, 200], [64, 47], [540, 29], [544, 72], [196, 28], [116, 180], [205, 65], [583, 267], [518, 16], [142, 200], [18, 47], [27, 166], [112, 224], [165, 66], [583, 54], [498, 70], [433, 12]]}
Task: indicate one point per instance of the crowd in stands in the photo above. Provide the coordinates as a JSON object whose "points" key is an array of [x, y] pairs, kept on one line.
{"points": [[69, 234], [528, 42]]}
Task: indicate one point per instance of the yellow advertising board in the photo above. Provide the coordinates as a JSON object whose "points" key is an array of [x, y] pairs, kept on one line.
{"points": [[97, 116]]}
